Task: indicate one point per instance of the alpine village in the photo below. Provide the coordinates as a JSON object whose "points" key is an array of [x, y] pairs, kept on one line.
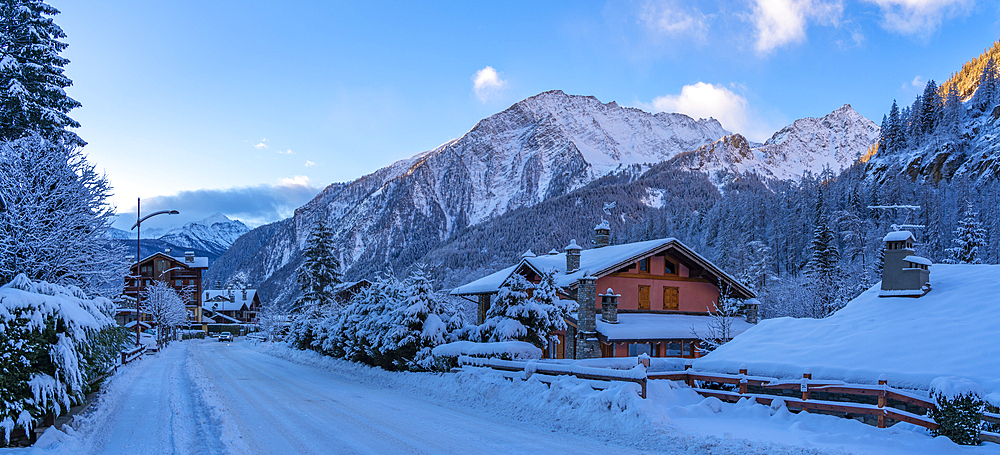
{"points": [[694, 274]]}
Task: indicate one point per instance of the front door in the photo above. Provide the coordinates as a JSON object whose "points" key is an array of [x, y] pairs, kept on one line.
{"points": [[643, 297]]}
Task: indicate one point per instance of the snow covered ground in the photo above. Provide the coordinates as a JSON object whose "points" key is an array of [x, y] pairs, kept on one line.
{"points": [[202, 396]]}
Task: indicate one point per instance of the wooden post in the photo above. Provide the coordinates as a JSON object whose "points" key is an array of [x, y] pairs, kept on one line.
{"points": [[881, 420], [804, 387], [743, 369], [807, 373], [743, 386], [643, 384], [689, 381]]}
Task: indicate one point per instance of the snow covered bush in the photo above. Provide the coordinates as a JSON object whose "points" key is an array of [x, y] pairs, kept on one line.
{"points": [[53, 341], [960, 406], [517, 316], [390, 324]]}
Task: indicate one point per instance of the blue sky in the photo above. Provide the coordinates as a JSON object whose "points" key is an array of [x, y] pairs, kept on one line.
{"points": [[249, 108]]}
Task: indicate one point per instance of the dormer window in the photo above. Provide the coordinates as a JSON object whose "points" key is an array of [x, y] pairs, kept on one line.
{"points": [[668, 267], [644, 265]]}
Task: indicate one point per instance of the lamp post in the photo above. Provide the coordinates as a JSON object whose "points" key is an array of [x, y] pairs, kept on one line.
{"points": [[138, 272]]}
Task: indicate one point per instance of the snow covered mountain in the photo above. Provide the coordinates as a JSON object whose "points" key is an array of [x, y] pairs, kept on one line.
{"points": [[541, 147], [215, 233], [836, 141]]}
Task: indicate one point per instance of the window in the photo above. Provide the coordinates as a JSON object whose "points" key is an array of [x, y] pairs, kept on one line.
{"points": [[644, 265], [636, 349], [673, 349], [643, 297], [668, 267], [671, 298]]}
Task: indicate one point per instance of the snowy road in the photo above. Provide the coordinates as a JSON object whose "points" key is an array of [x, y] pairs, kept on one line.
{"points": [[210, 397]]}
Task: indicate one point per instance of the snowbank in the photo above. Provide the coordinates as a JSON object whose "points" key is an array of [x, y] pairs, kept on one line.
{"points": [[951, 331], [519, 350]]}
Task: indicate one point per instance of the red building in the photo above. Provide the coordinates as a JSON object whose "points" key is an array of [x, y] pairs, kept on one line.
{"points": [[658, 291], [183, 274]]}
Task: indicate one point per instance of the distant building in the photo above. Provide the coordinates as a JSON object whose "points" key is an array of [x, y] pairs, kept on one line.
{"points": [[231, 306], [182, 273], [904, 274], [658, 291]]}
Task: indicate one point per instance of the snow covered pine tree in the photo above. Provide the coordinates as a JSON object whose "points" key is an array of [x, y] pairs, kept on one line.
{"points": [[317, 275], [969, 238], [516, 316], [31, 75]]}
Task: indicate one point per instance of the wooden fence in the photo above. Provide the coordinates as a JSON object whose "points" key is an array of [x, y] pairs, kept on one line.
{"points": [[548, 372], [133, 354], [880, 401]]}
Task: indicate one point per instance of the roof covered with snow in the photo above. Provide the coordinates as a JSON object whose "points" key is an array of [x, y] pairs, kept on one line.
{"points": [[950, 331], [898, 236], [650, 326], [917, 260], [595, 262], [198, 262], [227, 299]]}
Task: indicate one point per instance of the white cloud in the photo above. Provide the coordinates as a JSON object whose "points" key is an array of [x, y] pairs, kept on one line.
{"points": [[669, 18], [286, 152], [783, 22], [919, 17], [298, 180], [310, 163], [487, 84], [703, 100], [261, 144]]}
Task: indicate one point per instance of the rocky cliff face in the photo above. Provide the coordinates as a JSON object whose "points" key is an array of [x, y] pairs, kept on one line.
{"points": [[836, 141]]}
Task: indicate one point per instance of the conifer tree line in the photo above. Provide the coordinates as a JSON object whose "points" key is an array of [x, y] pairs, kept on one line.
{"points": [[54, 216], [395, 324], [54, 213]]}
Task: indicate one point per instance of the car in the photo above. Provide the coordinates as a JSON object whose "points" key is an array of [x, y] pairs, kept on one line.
{"points": [[225, 336]]}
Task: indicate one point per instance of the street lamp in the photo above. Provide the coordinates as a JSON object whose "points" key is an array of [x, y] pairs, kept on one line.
{"points": [[138, 272]]}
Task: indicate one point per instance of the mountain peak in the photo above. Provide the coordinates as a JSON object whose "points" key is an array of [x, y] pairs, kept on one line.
{"points": [[215, 218]]}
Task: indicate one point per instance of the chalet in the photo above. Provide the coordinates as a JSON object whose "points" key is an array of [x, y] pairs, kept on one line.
{"points": [[345, 291], [183, 273], [231, 306], [658, 292]]}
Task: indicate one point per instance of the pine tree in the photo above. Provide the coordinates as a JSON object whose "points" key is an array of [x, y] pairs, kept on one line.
{"points": [[954, 112], [320, 270], [986, 92], [516, 316], [895, 135], [969, 238], [32, 83], [930, 111]]}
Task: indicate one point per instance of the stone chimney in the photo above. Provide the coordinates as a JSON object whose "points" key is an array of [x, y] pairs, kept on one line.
{"points": [[602, 234], [609, 307], [588, 346], [244, 294], [572, 256], [189, 256], [751, 310], [167, 251], [904, 274]]}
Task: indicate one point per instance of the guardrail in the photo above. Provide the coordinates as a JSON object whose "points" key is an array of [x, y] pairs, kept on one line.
{"points": [[256, 338], [548, 372], [133, 354]]}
